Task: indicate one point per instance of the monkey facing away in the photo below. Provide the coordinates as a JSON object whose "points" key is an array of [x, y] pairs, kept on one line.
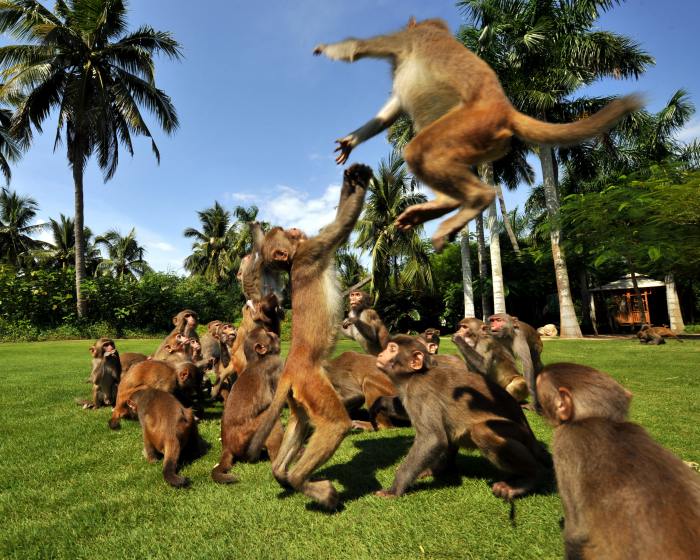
{"points": [[655, 335], [168, 429], [624, 495], [316, 308], [488, 356], [248, 400], [364, 325], [451, 407], [460, 114]]}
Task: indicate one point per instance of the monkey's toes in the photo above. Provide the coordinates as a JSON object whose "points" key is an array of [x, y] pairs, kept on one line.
{"points": [[509, 491], [385, 494]]}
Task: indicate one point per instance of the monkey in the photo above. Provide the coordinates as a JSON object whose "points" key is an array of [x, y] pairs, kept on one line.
{"points": [[216, 343], [106, 374], [655, 335], [461, 117], [431, 338], [183, 342], [364, 325], [168, 429], [316, 308], [451, 407], [624, 495], [524, 343], [248, 400], [181, 379], [487, 356], [128, 359], [358, 381]]}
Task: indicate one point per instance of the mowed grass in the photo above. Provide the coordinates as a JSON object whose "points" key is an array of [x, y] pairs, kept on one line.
{"points": [[72, 488]]}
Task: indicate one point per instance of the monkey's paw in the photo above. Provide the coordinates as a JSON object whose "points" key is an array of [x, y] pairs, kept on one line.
{"points": [[385, 494]]}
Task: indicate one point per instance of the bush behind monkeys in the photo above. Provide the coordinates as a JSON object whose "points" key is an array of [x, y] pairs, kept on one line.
{"points": [[624, 495], [460, 114]]}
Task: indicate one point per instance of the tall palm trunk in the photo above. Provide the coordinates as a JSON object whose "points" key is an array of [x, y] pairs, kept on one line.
{"points": [[506, 220], [81, 304], [499, 298], [568, 323], [486, 308], [674, 308], [467, 287]]}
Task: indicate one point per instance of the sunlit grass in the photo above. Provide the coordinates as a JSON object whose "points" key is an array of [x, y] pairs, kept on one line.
{"points": [[72, 488]]}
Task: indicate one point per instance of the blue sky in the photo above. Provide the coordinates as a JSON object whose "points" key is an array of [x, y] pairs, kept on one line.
{"points": [[259, 114]]}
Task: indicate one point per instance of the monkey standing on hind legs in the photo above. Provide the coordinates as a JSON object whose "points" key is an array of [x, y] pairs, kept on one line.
{"points": [[316, 309], [624, 495], [461, 117]]}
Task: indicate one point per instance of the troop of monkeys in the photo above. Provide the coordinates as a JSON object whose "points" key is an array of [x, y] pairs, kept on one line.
{"points": [[624, 495]]}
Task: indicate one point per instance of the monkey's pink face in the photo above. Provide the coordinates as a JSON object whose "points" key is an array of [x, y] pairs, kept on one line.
{"points": [[355, 299], [191, 320], [496, 323], [387, 357]]}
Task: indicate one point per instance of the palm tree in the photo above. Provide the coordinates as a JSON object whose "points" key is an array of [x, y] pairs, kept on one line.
{"points": [[16, 216], [399, 259], [211, 257], [9, 150], [349, 267], [61, 252], [124, 255], [80, 61], [552, 51]]}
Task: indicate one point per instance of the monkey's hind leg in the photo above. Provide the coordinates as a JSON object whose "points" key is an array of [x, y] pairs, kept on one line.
{"points": [[294, 435]]}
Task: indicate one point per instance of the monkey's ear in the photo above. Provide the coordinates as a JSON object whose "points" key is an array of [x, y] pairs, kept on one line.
{"points": [[416, 363], [175, 320], [564, 405], [183, 375], [485, 328], [261, 349], [131, 404], [432, 348], [411, 22], [516, 323]]}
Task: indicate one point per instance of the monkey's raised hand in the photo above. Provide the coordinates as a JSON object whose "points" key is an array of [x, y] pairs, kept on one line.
{"points": [[345, 50], [345, 146]]}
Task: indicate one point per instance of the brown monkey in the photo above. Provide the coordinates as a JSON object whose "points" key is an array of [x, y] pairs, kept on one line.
{"points": [[451, 407], [105, 375], [183, 342], [248, 400], [168, 428], [523, 342], [128, 359], [460, 114], [487, 356], [655, 335], [358, 381], [181, 379], [216, 343], [364, 325], [316, 308], [431, 338], [624, 495]]}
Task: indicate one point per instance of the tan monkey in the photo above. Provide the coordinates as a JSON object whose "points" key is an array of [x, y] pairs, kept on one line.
{"points": [[460, 114]]}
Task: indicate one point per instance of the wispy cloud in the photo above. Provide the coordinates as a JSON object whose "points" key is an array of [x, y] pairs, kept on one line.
{"points": [[241, 196], [295, 208], [690, 132]]}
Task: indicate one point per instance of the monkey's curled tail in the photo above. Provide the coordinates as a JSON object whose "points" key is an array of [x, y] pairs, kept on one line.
{"points": [[271, 415], [541, 132]]}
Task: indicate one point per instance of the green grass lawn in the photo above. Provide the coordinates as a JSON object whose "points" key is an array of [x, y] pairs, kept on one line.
{"points": [[72, 488]]}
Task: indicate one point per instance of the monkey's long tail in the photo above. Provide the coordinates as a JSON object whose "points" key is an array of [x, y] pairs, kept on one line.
{"points": [[533, 130], [271, 415]]}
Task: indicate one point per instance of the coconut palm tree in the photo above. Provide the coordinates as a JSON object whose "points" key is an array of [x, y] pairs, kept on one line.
{"points": [[61, 251], [16, 216], [80, 61], [552, 51], [9, 150], [125, 257], [211, 256], [399, 259]]}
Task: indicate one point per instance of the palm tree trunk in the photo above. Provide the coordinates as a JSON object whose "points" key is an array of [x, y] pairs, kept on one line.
{"points": [[568, 323], [499, 298], [467, 273], [506, 220], [79, 232], [674, 309], [586, 300], [486, 309]]}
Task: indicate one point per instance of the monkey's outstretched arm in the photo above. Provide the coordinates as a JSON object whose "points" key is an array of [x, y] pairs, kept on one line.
{"points": [[352, 49], [471, 356], [386, 116]]}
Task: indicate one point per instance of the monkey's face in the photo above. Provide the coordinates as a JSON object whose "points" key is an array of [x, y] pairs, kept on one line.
{"points": [[470, 330], [386, 359], [280, 246], [356, 300], [405, 356], [501, 326]]}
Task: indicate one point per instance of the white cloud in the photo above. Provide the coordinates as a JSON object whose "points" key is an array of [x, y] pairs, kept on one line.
{"points": [[242, 197], [294, 208], [690, 132], [161, 246]]}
